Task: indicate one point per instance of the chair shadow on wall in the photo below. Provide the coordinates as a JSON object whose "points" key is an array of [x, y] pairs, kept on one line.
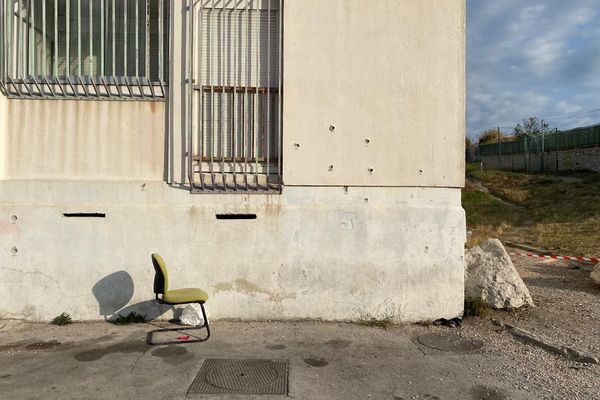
{"points": [[115, 291]]}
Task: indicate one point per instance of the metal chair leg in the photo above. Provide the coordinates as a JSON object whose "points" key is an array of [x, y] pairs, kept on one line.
{"points": [[151, 342]]}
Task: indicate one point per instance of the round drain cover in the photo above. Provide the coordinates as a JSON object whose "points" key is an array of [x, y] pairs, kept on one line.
{"points": [[242, 375], [449, 342]]}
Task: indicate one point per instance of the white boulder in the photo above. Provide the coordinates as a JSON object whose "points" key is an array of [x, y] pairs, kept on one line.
{"points": [[491, 276]]}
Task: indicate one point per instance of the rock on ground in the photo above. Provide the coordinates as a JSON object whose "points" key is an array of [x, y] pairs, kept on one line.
{"points": [[491, 276], [595, 275]]}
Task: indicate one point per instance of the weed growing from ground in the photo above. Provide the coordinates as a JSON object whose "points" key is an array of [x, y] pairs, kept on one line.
{"points": [[131, 318], [62, 319], [384, 316]]}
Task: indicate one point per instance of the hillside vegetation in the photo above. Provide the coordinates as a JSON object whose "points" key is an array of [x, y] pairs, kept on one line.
{"points": [[558, 213]]}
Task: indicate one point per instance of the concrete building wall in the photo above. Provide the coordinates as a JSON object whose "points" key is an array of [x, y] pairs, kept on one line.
{"points": [[82, 140], [391, 72], [311, 253], [331, 246]]}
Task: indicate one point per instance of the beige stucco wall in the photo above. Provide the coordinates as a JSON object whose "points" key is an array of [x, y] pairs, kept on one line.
{"points": [[85, 140], [391, 71], [319, 253]]}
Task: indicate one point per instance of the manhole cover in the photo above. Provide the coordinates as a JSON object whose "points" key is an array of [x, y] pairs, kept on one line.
{"points": [[241, 377], [449, 342]]}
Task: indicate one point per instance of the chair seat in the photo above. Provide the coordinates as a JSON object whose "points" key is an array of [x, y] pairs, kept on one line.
{"points": [[183, 296]]}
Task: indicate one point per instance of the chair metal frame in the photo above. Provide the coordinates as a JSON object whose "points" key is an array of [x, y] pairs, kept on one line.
{"points": [[159, 283]]}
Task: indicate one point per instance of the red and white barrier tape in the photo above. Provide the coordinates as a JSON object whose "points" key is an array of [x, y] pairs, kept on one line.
{"points": [[589, 259]]}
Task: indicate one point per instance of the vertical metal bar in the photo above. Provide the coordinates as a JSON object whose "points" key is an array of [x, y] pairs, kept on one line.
{"points": [[31, 45], [19, 47], [44, 54], [137, 39], [233, 41], [247, 78], [268, 156], [190, 58], [255, 117], [55, 69], [102, 70], [125, 37], [212, 96], [160, 39], [31, 42], [147, 43], [3, 37], [91, 34], [200, 94], [68, 37], [79, 70], [222, 100], [10, 40], [114, 42], [2, 42], [279, 98]]}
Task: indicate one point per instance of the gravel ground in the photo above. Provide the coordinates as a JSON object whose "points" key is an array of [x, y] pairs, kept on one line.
{"points": [[566, 312]]}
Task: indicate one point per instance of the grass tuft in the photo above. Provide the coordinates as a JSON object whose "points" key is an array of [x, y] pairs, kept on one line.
{"points": [[383, 316], [131, 318], [62, 319]]}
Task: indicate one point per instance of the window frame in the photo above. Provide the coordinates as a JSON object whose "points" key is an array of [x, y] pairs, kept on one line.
{"points": [[17, 57]]}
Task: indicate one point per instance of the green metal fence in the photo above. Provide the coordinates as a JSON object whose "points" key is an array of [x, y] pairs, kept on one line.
{"points": [[562, 140]]}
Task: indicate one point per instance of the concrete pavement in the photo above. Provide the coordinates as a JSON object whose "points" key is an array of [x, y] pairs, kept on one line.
{"points": [[326, 361]]}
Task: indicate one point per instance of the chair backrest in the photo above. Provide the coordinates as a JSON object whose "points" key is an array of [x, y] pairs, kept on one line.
{"points": [[161, 278]]}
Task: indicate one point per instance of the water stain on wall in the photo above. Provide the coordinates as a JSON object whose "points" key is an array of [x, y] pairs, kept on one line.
{"points": [[247, 287]]}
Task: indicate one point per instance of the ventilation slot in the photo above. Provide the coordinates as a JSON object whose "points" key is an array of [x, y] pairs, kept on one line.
{"points": [[236, 216], [84, 215]]}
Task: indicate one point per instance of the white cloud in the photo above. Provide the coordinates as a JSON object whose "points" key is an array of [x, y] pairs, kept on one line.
{"points": [[539, 57]]}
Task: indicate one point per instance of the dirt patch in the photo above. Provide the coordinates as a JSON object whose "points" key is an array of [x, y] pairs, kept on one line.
{"points": [[275, 346], [487, 393], [28, 345], [338, 344], [315, 362], [43, 346], [124, 348]]}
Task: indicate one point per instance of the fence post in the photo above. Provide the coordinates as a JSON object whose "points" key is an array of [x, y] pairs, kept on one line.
{"points": [[526, 154], [543, 148], [499, 151], [556, 147]]}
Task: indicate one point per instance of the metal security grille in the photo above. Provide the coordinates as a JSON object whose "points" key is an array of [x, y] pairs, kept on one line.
{"points": [[235, 96], [96, 49]]}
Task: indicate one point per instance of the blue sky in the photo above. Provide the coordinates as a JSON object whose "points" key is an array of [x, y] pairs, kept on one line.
{"points": [[532, 57]]}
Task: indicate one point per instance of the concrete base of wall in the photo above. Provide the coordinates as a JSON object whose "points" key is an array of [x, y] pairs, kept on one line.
{"points": [[315, 253]]}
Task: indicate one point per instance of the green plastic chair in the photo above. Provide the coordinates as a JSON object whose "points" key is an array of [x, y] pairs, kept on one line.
{"points": [[176, 297]]}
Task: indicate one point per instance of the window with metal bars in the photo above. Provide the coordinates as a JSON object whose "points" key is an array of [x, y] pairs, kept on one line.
{"points": [[107, 49], [236, 96]]}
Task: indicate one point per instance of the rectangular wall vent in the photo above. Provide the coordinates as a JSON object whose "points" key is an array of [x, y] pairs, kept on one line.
{"points": [[236, 216], [84, 215]]}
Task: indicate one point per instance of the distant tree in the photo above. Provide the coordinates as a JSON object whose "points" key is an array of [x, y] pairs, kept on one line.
{"points": [[531, 127], [467, 142], [491, 136]]}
